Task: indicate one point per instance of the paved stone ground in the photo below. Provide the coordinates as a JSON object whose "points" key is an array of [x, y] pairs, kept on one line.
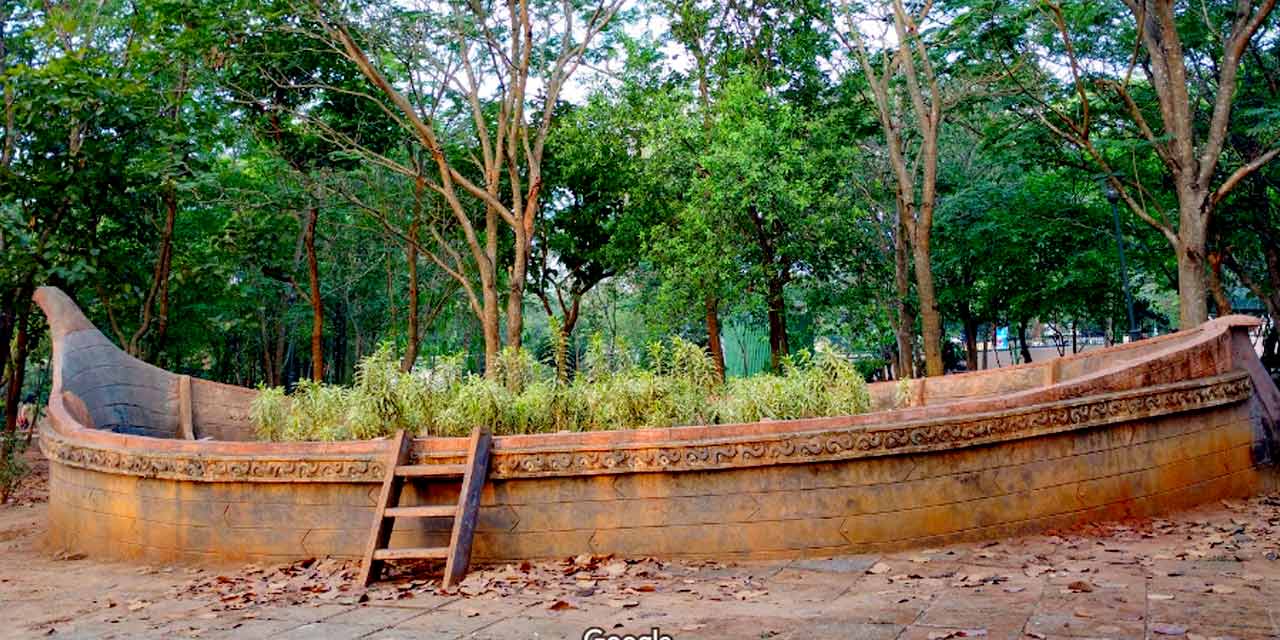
{"points": [[1211, 573]]}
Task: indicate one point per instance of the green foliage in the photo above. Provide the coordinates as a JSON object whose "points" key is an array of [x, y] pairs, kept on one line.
{"points": [[679, 388], [12, 466], [824, 384], [270, 413]]}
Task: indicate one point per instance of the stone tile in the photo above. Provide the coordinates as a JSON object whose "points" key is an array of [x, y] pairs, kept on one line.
{"points": [[901, 606], [333, 630], [374, 616], [844, 629], [300, 613], [1245, 607], [461, 617], [256, 629], [106, 629], [970, 611], [845, 564], [926, 632], [539, 628], [1094, 625]]}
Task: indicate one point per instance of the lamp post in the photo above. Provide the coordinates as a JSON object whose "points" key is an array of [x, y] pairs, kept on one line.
{"points": [[1113, 197]]}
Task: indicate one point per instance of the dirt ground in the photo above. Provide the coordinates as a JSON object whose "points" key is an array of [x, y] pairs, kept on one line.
{"points": [[1211, 573]]}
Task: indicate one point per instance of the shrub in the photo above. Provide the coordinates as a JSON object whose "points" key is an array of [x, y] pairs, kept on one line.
{"points": [[270, 413], [677, 386], [12, 466]]}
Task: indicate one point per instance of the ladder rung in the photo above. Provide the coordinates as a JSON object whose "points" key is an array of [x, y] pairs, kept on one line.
{"points": [[446, 511], [437, 470], [411, 553]]}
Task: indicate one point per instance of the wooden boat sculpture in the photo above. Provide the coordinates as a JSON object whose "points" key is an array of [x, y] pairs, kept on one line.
{"points": [[150, 465]]}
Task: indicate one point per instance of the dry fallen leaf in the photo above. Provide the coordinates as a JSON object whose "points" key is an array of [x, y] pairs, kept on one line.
{"points": [[560, 605]]}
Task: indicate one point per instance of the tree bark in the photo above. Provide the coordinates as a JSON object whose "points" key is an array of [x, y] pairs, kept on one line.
{"points": [[515, 292], [162, 311], [490, 328], [971, 343], [1193, 289], [411, 256], [905, 327], [159, 279], [17, 373], [1023, 348], [1220, 298], [317, 303], [930, 319], [777, 314], [713, 335]]}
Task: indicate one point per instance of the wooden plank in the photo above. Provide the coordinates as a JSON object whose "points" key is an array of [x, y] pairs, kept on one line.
{"points": [[411, 553], [464, 526], [431, 470], [380, 531], [446, 511], [186, 430]]}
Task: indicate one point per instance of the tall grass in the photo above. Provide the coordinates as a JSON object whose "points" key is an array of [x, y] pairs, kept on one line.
{"points": [[677, 385]]}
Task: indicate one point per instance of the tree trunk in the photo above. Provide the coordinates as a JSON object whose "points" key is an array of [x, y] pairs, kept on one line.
{"points": [[1271, 348], [515, 292], [162, 312], [340, 341], [1022, 341], [17, 374], [490, 328], [905, 328], [995, 342], [411, 256], [777, 313], [1193, 307], [930, 319], [713, 335], [971, 343], [317, 304], [411, 348], [159, 281], [8, 321], [1220, 298]]}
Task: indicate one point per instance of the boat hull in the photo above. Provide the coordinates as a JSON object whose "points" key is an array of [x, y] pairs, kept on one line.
{"points": [[1132, 431]]}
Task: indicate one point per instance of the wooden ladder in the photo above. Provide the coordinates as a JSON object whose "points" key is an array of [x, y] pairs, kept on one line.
{"points": [[458, 554]]}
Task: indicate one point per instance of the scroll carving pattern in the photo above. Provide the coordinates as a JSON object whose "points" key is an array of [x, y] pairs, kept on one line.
{"points": [[745, 451]]}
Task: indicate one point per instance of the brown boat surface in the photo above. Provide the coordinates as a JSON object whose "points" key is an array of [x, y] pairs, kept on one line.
{"points": [[149, 465]]}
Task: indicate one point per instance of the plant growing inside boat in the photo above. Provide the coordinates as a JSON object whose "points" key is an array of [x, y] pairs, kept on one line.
{"points": [[611, 390]]}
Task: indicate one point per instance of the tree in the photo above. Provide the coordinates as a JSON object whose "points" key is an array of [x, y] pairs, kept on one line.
{"points": [[1178, 53], [598, 202], [452, 57], [909, 54]]}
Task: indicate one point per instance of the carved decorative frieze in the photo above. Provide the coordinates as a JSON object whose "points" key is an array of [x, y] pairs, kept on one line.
{"points": [[856, 442], [172, 466], [745, 451]]}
